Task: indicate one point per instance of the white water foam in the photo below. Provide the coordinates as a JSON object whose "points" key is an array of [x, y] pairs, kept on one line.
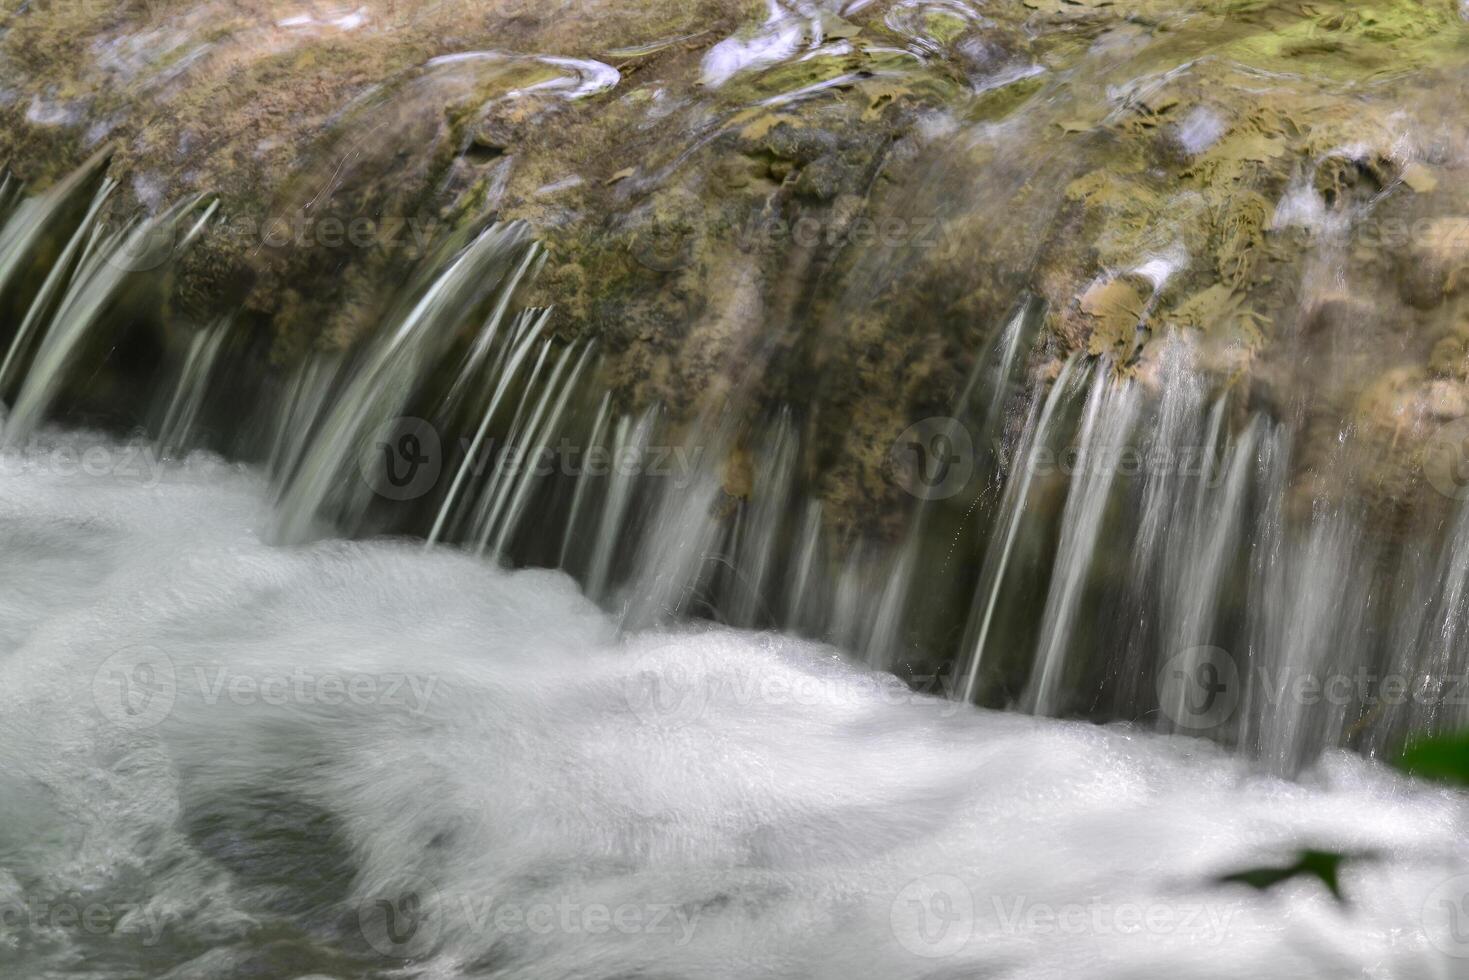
{"points": [[364, 759]]}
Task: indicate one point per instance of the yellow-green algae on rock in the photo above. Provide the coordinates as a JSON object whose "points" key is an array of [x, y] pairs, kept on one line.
{"points": [[846, 222]]}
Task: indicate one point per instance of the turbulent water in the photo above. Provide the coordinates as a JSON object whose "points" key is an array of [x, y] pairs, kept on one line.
{"points": [[222, 758], [420, 630]]}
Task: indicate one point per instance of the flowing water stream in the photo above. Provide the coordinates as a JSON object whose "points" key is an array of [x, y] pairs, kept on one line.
{"points": [[239, 759], [440, 654], [237, 744]]}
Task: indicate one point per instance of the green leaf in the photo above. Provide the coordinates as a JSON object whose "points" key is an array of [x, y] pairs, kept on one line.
{"points": [[1322, 865], [1444, 759]]}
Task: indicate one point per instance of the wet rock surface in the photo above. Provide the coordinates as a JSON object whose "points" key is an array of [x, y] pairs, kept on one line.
{"points": [[836, 206]]}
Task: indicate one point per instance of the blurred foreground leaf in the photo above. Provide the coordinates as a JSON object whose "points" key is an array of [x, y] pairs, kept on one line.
{"points": [[1444, 759], [1323, 865]]}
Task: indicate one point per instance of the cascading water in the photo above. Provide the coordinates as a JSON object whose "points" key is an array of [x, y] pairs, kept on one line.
{"points": [[381, 384], [348, 725], [473, 665]]}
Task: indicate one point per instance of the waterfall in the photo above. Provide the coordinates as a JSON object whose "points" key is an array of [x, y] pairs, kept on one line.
{"points": [[910, 489], [630, 443], [520, 343], [380, 385], [760, 522], [684, 543], [181, 418], [1201, 557], [297, 409], [1432, 622], [806, 572], [544, 425], [575, 518], [25, 232], [102, 270], [28, 220], [1012, 511], [1125, 537], [1107, 422]]}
